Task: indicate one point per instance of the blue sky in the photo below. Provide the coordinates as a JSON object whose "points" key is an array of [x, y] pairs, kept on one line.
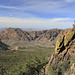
{"points": [[44, 14]]}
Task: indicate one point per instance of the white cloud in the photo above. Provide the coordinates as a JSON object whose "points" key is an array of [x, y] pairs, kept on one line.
{"points": [[35, 22], [61, 19], [31, 20], [34, 8], [41, 6], [9, 7]]}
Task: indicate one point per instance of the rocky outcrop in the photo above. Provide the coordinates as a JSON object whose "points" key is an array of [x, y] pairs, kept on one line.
{"points": [[64, 54], [64, 40], [65, 50]]}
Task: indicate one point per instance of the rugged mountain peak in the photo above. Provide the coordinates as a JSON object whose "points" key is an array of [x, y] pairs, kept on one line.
{"points": [[13, 34]]}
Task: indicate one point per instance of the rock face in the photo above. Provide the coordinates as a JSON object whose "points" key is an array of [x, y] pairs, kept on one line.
{"points": [[64, 40], [65, 50], [64, 54]]}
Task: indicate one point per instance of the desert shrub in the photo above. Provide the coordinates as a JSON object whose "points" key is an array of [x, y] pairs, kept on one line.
{"points": [[73, 59], [58, 69], [62, 67], [51, 70], [24, 62]]}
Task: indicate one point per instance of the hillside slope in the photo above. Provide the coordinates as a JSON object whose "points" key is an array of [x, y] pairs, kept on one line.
{"points": [[62, 62], [3, 46], [15, 34]]}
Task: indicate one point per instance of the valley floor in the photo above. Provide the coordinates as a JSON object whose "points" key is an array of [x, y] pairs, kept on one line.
{"points": [[26, 61]]}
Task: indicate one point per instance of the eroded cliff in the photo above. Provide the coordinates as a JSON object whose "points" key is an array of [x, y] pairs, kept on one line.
{"points": [[63, 60]]}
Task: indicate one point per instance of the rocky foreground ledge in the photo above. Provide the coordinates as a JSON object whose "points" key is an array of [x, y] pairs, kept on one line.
{"points": [[62, 62]]}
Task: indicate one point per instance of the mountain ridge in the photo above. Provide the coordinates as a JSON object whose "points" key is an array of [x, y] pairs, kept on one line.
{"points": [[16, 34]]}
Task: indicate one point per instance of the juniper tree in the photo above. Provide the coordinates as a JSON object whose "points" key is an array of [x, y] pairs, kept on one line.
{"points": [[74, 24]]}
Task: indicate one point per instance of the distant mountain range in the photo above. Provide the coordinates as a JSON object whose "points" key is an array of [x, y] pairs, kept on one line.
{"points": [[31, 29], [17, 34], [24, 29]]}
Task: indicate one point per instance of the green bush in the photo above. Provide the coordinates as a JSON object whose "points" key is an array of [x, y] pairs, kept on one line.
{"points": [[25, 62], [51, 70]]}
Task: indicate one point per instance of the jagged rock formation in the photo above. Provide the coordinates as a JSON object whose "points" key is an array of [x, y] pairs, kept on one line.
{"points": [[64, 54], [16, 34], [65, 48], [64, 39]]}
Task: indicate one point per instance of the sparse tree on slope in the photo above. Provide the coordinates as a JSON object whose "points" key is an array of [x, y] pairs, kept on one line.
{"points": [[74, 24]]}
